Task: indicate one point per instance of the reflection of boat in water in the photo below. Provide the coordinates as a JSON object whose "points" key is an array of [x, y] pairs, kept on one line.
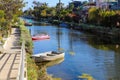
{"points": [[41, 37], [52, 63], [48, 56]]}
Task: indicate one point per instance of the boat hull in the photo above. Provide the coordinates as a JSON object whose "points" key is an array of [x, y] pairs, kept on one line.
{"points": [[28, 24], [48, 56], [41, 37]]}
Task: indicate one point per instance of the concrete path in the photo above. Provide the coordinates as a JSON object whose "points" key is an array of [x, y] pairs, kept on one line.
{"points": [[10, 59]]}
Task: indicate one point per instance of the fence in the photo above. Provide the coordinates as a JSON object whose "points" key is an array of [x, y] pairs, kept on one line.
{"points": [[22, 74]]}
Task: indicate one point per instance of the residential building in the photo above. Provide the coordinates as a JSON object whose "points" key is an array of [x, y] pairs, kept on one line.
{"points": [[107, 4], [119, 3]]}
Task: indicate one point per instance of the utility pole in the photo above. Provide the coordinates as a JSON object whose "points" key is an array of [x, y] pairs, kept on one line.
{"points": [[59, 48], [59, 9]]}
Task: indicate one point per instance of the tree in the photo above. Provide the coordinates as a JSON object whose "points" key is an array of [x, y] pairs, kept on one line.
{"points": [[43, 13], [93, 15], [40, 9], [51, 12], [71, 7], [59, 6], [11, 9], [84, 2]]}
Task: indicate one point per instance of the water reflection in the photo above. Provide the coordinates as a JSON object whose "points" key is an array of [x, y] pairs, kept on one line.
{"points": [[99, 45], [51, 63], [58, 34], [110, 62], [102, 61], [71, 51], [86, 77]]}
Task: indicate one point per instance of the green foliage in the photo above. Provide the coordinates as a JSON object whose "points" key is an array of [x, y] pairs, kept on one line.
{"points": [[32, 69], [43, 13], [41, 10], [2, 14], [104, 14], [2, 19], [106, 18], [63, 13], [25, 35], [71, 6], [51, 12], [9, 12], [93, 15]]}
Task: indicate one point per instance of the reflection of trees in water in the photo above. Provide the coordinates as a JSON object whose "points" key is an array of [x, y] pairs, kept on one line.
{"points": [[74, 37], [59, 33], [86, 77], [71, 34], [94, 41], [50, 63], [113, 68], [111, 61], [43, 68], [97, 43], [117, 66]]}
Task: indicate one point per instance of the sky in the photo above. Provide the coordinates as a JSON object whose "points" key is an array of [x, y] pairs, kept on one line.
{"points": [[50, 2]]}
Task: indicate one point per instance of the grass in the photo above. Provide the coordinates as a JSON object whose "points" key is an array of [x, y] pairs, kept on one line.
{"points": [[25, 36], [32, 69], [36, 72]]}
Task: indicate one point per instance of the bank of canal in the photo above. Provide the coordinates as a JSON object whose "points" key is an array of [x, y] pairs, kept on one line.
{"points": [[82, 53]]}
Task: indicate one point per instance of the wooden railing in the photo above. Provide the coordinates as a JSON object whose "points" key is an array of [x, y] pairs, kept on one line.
{"points": [[22, 68]]}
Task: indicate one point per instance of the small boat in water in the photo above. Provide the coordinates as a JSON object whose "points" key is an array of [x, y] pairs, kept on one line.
{"points": [[48, 56], [40, 37], [27, 23]]}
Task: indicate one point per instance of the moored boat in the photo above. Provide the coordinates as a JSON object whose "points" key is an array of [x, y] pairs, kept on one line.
{"points": [[27, 23], [48, 56], [41, 37]]}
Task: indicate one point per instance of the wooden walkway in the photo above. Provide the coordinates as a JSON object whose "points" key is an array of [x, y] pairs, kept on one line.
{"points": [[10, 59]]}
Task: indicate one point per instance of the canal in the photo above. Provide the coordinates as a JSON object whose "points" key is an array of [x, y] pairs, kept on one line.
{"points": [[83, 53]]}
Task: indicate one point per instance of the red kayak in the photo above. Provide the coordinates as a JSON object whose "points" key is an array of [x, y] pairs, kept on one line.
{"points": [[40, 37]]}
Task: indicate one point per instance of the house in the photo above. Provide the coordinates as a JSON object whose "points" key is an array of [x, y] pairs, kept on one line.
{"points": [[107, 4], [119, 3]]}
